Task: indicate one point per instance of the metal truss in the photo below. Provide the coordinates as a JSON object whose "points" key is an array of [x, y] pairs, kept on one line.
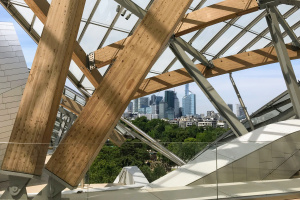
{"points": [[284, 60], [266, 3], [208, 90], [266, 31]]}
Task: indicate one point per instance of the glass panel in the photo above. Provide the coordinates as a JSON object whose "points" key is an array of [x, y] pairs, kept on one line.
{"points": [[260, 26], [114, 36], [246, 19], [92, 38], [260, 44], [293, 18], [38, 26], [125, 24], [88, 7], [234, 49], [207, 35], [103, 70], [105, 12], [163, 61], [25, 12], [142, 3], [75, 70], [87, 85], [224, 39]]}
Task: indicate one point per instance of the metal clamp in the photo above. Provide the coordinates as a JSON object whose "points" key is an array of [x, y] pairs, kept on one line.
{"points": [[91, 61]]}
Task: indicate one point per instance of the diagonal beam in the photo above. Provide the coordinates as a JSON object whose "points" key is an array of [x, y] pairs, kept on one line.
{"points": [[40, 8], [287, 27], [196, 20], [222, 66], [86, 137], [40, 101], [236, 126]]}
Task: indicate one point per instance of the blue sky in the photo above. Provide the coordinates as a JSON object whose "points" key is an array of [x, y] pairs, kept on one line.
{"points": [[256, 85]]}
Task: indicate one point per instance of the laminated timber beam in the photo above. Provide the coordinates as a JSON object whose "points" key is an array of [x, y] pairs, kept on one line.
{"points": [[81, 145], [38, 108], [224, 65], [40, 8], [196, 20], [76, 108]]}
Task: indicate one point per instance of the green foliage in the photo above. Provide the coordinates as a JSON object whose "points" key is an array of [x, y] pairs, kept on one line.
{"points": [[184, 142]]}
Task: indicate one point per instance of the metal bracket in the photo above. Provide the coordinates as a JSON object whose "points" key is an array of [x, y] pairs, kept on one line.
{"points": [[16, 188], [264, 3], [91, 61], [51, 191]]}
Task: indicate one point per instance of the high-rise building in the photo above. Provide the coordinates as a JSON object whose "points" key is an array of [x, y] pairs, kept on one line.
{"points": [[238, 109], [188, 103], [242, 113], [152, 99], [169, 98], [158, 99], [135, 106], [230, 106], [170, 113], [162, 110], [130, 107], [176, 106], [143, 102]]}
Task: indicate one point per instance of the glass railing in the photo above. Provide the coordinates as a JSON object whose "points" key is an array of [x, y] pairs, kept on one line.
{"points": [[133, 170]]}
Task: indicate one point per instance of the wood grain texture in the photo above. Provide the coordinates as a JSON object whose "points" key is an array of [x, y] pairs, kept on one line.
{"points": [[76, 108], [214, 14], [196, 20], [222, 66], [38, 108], [71, 105], [117, 138], [40, 8], [81, 145]]}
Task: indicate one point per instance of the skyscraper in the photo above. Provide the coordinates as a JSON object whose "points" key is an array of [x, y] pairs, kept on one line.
{"points": [[162, 110], [188, 103], [130, 107], [230, 106], [176, 106], [152, 99], [169, 98], [143, 102], [135, 106]]}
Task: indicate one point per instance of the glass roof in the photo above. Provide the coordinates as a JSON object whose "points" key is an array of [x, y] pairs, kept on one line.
{"points": [[103, 24]]}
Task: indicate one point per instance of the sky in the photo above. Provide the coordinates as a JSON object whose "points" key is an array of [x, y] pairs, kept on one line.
{"points": [[257, 86]]}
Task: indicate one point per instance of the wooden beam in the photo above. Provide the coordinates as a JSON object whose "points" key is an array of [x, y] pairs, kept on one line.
{"points": [[86, 137], [40, 9], [76, 108], [214, 14], [117, 138], [222, 66], [196, 20], [38, 108], [71, 105]]}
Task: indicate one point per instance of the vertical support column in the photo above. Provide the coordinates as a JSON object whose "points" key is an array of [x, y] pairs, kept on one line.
{"points": [[34, 123], [81, 145], [284, 60], [236, 126], [241, 102]]}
